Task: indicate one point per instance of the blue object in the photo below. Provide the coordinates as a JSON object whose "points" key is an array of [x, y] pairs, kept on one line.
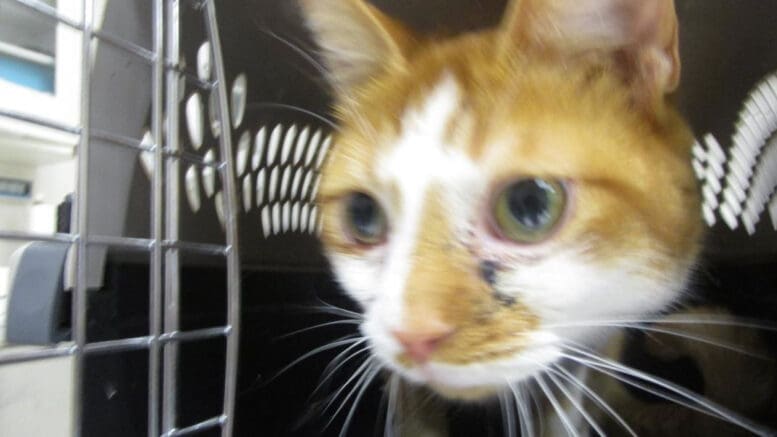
{"points": [[27, 74], [36, 305]]}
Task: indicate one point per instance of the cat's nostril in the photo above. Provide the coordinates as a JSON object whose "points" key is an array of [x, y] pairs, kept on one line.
{"points": [[420, 344]]}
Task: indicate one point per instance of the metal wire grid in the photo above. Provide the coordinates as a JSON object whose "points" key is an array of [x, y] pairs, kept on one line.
{"points": [[164, 244]]}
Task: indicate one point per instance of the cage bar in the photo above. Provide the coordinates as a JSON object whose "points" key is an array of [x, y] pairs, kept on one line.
{"points": [[231, 218], [195, 335], [172, 216], [50, 12], [29, 236], [116, 346], [121, 140], [40, 122], [164, 243], [81, 220], [126, 46], [205, 425], [36, 355], [157, 226]]}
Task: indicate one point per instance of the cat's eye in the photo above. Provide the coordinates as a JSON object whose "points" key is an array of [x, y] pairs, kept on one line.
{"points": [[365, 221], [528, 210]]}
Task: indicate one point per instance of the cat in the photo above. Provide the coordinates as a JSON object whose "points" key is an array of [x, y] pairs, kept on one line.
{"points": [[496, 200]]}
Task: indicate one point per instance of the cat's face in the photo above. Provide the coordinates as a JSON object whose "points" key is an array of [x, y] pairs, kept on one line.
{"points": [[487, 189]]}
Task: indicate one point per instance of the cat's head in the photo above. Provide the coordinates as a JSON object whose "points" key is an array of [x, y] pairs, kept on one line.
{"points": [[486, 189]]}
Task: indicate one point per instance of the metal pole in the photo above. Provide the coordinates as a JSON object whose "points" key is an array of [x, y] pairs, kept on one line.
{"points": [[81, 210], [231, 216], [172, 261], [155, 302]]}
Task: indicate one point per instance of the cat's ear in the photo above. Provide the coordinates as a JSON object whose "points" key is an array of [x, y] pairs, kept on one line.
{"points": [[642, 34], [356, 39]]}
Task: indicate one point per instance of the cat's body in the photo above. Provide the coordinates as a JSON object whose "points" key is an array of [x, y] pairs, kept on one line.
{"points": [[491, 197]]}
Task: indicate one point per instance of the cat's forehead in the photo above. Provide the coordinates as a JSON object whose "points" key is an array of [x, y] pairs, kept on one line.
{"points": [[426, 143]]}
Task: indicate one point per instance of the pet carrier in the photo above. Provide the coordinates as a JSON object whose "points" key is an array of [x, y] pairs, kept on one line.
{"points": [[136, 135]]}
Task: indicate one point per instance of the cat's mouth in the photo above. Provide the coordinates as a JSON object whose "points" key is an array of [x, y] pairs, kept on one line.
{"points": [[478, 379]]}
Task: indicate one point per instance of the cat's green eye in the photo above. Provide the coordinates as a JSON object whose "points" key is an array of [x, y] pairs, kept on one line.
{"points": [[365, 221], [529, 209]]}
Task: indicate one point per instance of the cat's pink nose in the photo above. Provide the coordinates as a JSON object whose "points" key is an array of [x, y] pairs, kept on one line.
{"points": [[420, 343]]}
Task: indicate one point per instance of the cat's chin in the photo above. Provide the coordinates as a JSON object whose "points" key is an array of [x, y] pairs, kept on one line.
{"points": [[468, 394]]}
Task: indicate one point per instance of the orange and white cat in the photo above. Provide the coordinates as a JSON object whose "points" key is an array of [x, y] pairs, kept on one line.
{"points": [[490, 196]]}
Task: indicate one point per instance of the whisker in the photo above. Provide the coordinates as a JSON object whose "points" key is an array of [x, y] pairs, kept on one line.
{"points": [[524, 414], [575, 403], [391, 410], [706, 406], [375, 369], [276, 105], [319, 67], [508, 419], [596, 398], [359, 373], [328, 308], [700, 339], [330, 373], [556, 406], [747, 323], [676, 333], [603, 369], [339, 342], [322, 325], [533, 395]]}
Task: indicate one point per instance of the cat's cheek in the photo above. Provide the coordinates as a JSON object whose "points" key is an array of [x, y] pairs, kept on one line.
{"points": [[566, 288], [356, 275]]}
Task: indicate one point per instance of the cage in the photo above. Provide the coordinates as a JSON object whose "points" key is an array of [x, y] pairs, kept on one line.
{"points": [[159, 162]]}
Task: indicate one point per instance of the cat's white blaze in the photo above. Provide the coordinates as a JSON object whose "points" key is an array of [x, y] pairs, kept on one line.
{"points": [[419, 158], [406, 165]]}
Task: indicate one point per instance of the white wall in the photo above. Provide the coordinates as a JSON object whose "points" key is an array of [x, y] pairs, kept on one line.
{"points": [[35, 398]]}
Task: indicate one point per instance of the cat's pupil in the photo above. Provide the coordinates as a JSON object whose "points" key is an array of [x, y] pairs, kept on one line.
{"points": [[365, 216], [529, 203]]}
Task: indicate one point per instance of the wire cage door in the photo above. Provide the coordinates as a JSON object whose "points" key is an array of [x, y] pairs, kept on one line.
{"points": [[163, 247]]}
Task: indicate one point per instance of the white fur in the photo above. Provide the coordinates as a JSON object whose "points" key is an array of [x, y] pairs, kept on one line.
{"points": [[543, 348], [568, 286]]}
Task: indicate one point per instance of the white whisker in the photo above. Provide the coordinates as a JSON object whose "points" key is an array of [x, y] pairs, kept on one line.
{"points": [[327, 307], [371, 373], [359, 373], [348, 339], [533, 395], [391, 409], [701, 321], [344, 96], [575, 403], [596, 398], [701, 404], [508, 417], [556, 406], [675, 333], [332, 368], [700, 339], [524, 413], [321, 325]]}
